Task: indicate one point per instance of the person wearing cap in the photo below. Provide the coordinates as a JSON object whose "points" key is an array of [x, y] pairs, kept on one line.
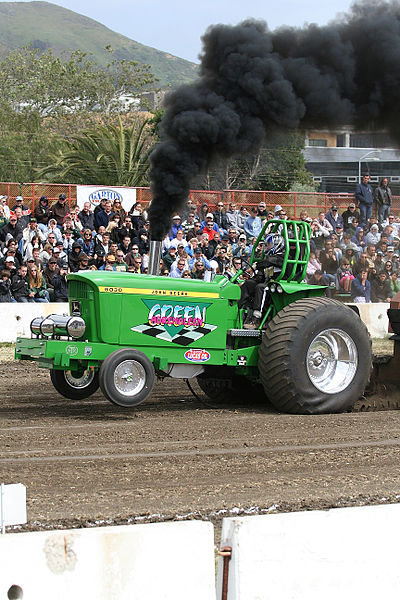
{"points": [[240, 249], [51, 269], [109, 263], [333, 217], [59, 210], [11, 230], [365, 198], [32, 230], [61, 256], [5, 286], [42, 213], [225, 244], [199, 256], [209, 227], [19, 202], [175, 225], [253, 224], [349, 214], [169, 257]]}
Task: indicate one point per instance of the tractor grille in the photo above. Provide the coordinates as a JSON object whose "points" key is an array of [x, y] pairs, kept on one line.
{"points": [[78, 290]]}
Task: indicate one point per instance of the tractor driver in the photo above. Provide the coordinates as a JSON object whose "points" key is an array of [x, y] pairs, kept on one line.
{"points": [[253, 291]]}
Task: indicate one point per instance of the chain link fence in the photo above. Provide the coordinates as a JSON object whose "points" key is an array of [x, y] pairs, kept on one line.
{"points": [[292, 202]]}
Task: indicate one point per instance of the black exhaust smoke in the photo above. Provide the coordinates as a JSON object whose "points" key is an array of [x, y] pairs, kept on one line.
{"points": [[253, 81]]}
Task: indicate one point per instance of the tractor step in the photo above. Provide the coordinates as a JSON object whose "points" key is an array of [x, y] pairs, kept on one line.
{"points": [[244, 332]]}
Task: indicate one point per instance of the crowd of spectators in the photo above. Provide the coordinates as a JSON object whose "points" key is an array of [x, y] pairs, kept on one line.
{"points": [[352, 253]]}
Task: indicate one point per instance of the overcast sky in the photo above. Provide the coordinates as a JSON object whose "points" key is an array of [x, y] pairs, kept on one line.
{"points": [[176, 26]]}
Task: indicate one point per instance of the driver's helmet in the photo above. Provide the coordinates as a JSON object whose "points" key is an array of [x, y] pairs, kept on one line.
{"points": [[274, 245]]}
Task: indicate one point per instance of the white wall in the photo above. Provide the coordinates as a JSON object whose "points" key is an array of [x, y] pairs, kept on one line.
{"points": [[340, 554], [16, 317], [163, 561]]}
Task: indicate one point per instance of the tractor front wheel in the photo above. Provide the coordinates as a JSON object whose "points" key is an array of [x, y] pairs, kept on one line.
{"points": [[127, 377], [75, 386], [315, 357]]}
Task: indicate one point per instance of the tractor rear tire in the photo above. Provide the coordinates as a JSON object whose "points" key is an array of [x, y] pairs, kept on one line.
{"points": [[315, 357], [127, 377], [75, 387]]}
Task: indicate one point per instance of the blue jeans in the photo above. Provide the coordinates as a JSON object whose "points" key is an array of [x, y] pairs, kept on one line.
{"points": [[45, 298], [383, 212], [365, 212]]}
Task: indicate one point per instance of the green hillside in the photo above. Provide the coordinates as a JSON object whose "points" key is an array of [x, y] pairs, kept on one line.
{"points": [[44, 25]]}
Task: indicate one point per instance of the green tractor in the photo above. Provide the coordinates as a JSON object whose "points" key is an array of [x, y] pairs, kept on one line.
{"points": [[309, 355]]}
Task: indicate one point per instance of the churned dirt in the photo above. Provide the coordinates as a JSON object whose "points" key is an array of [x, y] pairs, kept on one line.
{"points": [[90, 463]]}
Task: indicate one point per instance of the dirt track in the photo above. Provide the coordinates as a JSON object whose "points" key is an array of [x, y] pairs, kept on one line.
{"points": [[90, 461]]}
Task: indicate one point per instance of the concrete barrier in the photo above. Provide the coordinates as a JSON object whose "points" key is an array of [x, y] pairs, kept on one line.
{"points": [[374, 315], [345, 553], [165, 561], [16, 318]]}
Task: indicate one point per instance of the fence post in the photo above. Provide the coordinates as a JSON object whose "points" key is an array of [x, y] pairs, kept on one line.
{"points": [[295, 204]]}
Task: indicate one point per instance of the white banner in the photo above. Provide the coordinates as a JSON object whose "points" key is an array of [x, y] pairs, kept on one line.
{"points": [[93, 194]]}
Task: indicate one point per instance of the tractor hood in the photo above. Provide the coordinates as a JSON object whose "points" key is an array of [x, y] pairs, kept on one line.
{"points": [[112, 282]]}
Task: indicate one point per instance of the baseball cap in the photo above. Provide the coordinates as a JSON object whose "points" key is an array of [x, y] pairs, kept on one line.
{"points": [[242, 237], [225, 237], [198, 249], [111, 258], [390, 249], [352, 205], [209, 216], [56, 250], [379, 252], [62, 197], [175, 217], [33, 220], [333, 207], [19, 199], [53, 261], [339, 226], [9, 259]]}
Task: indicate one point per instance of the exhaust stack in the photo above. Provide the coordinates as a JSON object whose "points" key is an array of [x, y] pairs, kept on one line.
{"points": [[155, 257]]}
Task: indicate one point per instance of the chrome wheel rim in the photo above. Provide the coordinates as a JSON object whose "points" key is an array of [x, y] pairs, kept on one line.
{"points": [[332, 361], [129, 377], [79, 382]]}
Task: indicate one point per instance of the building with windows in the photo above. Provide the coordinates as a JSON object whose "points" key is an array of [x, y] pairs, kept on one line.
{"points": [[336, 159]]}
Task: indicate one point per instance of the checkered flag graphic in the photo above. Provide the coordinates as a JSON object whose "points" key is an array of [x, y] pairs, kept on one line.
{"points": [[183, 337]]}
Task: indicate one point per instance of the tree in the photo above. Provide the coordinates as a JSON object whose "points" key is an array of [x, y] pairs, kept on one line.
{"points": [[277, 165], [71, 82], [107, 155], [45, 100]]}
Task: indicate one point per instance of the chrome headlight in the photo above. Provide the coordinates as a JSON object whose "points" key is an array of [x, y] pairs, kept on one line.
{"points": [[272, 287], [76, 327], [47, 327]]}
